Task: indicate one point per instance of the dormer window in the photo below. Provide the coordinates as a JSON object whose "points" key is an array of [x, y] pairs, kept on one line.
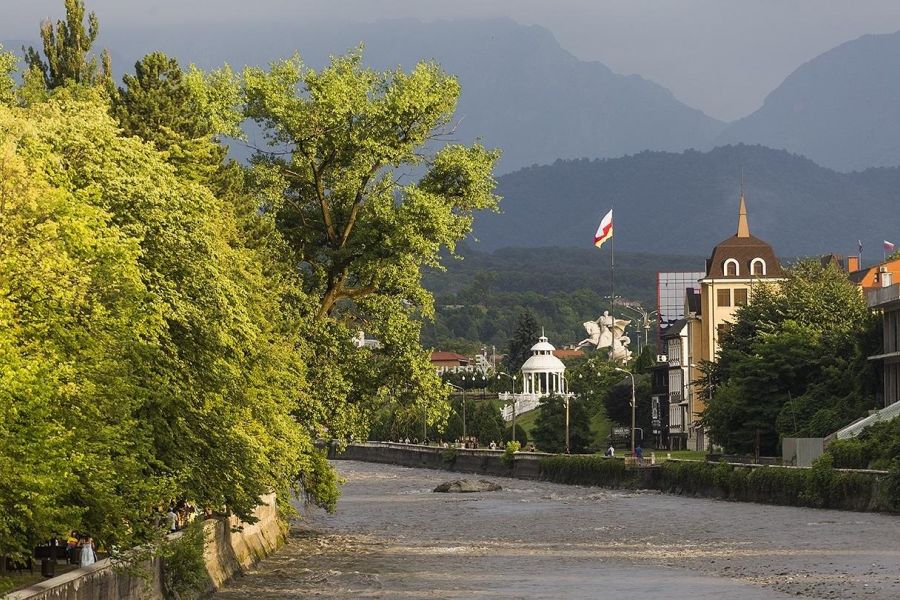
{"points": [[757, 267], [731, 268]]}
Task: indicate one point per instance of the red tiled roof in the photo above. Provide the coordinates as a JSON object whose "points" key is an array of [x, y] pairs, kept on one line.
{"points": [[443, 356]]}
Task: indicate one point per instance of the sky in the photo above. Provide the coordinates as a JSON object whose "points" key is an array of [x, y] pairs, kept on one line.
{"points": [[721, 56]]}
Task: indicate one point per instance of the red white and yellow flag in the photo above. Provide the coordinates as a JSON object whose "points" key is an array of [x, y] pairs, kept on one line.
{"points": [[605, 231]]}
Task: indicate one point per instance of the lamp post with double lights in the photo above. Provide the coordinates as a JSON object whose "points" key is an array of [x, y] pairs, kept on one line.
{"points": [[633, 403], [513, 378]]}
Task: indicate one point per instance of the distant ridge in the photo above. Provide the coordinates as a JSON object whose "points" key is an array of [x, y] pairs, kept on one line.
{"points": [[841, 109], [684, 203], [521, 91]]}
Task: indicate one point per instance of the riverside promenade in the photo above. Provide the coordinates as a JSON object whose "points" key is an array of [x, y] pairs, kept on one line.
{"points": [[391, 537]]}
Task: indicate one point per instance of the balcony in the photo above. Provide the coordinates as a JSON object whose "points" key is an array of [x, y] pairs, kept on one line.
{"points": [[879, 297]]}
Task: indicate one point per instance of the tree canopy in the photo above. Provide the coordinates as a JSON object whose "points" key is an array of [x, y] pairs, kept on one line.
{"points": [[794, 363], [176, 325]]}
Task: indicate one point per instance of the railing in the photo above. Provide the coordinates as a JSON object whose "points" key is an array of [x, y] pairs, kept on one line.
{"points": [[854, 429], [523, 402]]}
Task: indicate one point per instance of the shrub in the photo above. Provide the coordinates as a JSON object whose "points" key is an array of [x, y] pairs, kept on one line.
{"points": [[183, 568], [586, 470], [449, 456], [508, 456], [849, 454], [820, 480]]}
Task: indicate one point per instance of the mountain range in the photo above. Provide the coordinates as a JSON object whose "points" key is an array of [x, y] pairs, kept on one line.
{"points": [[522, 92], [841, 109], [684, 203]]}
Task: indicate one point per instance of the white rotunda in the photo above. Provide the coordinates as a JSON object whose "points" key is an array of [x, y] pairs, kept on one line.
{"points": [[543, 374]]}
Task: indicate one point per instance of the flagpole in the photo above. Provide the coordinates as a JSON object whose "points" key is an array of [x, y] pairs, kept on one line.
{"points": [[612, 274]]}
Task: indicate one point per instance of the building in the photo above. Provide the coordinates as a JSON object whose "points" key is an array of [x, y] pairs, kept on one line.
{"points": [[675, 343], [361, 341], [887, 300], [450, 362], [873, 277], [736, 266], [671, 288], [542, 374]]}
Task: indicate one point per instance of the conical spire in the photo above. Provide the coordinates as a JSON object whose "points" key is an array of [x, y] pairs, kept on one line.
{"points": [[743, 230]]}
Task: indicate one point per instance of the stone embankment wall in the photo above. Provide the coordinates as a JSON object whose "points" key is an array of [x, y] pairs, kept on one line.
{"points": [[526, 465], [843, 489], [230, 547]]}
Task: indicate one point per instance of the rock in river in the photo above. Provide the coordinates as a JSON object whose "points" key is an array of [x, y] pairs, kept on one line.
{"points": [[465, 486]]}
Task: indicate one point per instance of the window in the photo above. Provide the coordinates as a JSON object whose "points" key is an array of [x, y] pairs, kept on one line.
{"points": [[731, 268], [740, 297], [757, 266], [723, 297], [723, 328]]}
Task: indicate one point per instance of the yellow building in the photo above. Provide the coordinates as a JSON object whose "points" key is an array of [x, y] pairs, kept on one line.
{"points": [[736, 266]]}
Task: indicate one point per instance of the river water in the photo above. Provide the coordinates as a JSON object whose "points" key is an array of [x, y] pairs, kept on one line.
{"points": [[391, 537]]}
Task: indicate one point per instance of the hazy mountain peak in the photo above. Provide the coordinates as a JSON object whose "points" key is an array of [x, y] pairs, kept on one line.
{"points": [[841, 109]]}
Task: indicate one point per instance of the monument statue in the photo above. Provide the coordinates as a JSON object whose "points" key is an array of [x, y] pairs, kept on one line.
{"points": [[608, 332]]}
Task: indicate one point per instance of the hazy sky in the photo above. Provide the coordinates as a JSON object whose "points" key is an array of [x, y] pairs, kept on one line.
{"points": [[722, 56]]}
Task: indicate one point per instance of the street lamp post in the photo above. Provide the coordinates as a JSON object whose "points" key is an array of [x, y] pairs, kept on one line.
{"points": [[633, 403], [465, 439], [566, 396], [512, 377], [463, 390]]}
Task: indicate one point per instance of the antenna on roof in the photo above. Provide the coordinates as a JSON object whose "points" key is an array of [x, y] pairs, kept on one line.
{"points": [[742, 182]]}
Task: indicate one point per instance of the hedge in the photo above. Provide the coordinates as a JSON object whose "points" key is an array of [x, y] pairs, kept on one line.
{"points": [[822, 486]]}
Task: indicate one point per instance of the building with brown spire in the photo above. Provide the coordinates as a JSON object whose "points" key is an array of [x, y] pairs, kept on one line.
{"points": [[737, 266]]}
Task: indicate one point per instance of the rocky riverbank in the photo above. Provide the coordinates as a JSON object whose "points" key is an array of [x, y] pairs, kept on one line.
{"points": [[393, 538]]}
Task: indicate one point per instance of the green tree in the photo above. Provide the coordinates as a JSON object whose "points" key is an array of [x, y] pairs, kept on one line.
{"points": [[550, 430], [794, 362], [340, 139], [518, 347], [8, 63], [66, 50]]}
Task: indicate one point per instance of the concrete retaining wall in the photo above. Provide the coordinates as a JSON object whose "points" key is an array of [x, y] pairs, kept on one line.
{"points": [[485, 462], [230, 547]]}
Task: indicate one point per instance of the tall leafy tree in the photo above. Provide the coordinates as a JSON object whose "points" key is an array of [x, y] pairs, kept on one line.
{"points": [[337, 177], [67, 47], [550, 430], [525, 336], [794, 362]]}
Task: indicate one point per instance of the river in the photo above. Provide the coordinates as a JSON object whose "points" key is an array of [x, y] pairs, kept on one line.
{"points": [[391, 537]]}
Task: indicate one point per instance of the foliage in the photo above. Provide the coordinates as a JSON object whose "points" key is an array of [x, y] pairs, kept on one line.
{"points": [[550, 432], [509, 453], [518, 348], [158, 105], [607, 395], [320, 482], [820, 486], [339, 138], [794, 363], [66, 49], [876, 447], [8, 63], [184, 573], [145, 349], [449, 456], [587, 470], [521, 434]]}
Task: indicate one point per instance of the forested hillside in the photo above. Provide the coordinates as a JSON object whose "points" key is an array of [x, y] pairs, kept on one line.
{"points": [[687, 202], [480, 297]]}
